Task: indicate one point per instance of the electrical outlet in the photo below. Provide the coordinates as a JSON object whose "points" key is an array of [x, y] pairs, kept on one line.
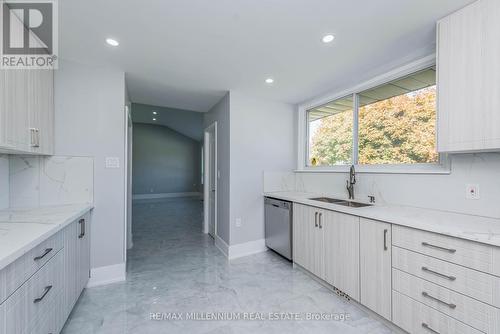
{"points": [[238, 222], [112, 162], [472, 191]]}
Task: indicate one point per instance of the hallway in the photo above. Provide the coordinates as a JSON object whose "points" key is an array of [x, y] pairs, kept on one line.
{"points": [[174, 267]]}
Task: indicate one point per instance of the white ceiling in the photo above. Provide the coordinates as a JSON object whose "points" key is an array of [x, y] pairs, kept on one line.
{"points": [[186, 53]]}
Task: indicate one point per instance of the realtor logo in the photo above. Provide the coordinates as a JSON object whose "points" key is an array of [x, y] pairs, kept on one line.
{"points": [[28, 34]]}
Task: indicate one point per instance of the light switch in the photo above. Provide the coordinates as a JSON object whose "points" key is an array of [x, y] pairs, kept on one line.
{"points": [[112, 162]]}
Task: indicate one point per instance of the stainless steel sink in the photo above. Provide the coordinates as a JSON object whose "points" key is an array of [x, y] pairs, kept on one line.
{"points": [[340, 202], [327, 200]]}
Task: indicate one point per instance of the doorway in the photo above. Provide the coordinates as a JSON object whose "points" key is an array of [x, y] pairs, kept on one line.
{"points": [[210, 180]]}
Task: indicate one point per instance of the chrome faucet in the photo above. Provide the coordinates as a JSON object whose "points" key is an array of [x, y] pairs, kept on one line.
{"points": [[351, 182]]}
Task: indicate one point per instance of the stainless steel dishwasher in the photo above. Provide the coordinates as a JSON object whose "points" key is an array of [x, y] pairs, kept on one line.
{"points": [[278, 221]]}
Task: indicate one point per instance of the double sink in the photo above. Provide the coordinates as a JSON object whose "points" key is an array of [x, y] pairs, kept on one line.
{"points": [[340, 202]]}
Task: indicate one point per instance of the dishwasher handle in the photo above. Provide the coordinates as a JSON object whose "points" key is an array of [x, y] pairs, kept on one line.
{"points": [[277, 203]]}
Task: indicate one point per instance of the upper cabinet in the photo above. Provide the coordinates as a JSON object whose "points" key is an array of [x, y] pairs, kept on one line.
{"points": [[469, 79], [27, 111]]}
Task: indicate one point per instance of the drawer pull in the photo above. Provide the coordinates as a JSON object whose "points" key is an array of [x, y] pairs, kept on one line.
{"points": [[452, 306], [429, 328], [47, 289], [451, 278], [385, 239], [82, 228], [39, 257], [450, 250], [316, 219], [320, 219]]}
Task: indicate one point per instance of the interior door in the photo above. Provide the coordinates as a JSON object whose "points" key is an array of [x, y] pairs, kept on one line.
{"points": [[212, 179]]}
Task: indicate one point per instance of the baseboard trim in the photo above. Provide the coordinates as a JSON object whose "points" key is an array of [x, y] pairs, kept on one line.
{"points": [[107, 275], [165, 195], [221, 245], [247, 248]]}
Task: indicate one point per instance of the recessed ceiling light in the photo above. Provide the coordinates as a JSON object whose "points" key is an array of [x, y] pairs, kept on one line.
{"points": [[112, 42], [328, 38], [154, 113], [154, 119], [269, 80]]}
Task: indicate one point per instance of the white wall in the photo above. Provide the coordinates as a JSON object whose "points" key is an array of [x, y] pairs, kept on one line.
{"points": [[220, 114], [90, 121], [262, 137]]}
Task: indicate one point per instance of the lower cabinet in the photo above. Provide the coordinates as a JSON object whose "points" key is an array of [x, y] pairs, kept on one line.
{"points": [[83, 253], [41, 303], [308, 238], [376, 266], [326, 243], [341, 252]]}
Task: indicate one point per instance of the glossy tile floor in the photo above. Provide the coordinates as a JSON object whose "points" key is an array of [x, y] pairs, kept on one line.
{"points": [[173, 267]]}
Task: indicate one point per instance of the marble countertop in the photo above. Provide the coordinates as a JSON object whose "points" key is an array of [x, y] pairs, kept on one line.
{"points": [[23, 229], [476, 228]]}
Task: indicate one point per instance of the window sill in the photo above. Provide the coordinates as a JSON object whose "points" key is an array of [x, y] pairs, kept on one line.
{"points": [[437, 169]]}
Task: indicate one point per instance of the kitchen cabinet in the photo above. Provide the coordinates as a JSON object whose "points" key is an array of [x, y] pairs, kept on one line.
{"points": [[39, 289], [375, 266], [27, 111], [468, 77], [326, 243], [308, 238], [341, 251], [83, 253]]}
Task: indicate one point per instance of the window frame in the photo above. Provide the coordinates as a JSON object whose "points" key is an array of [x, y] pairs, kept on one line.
{"points": [[440, 167]]}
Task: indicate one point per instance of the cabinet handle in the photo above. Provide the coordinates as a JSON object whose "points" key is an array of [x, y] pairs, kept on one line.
{"points": [[452, 306], [82, 228], [37, 137], [385, 239], [33, 138], [39, 257], [424, 325], [320, 220], [316, 219], [46, 291], [451, 278], [450, 250]]}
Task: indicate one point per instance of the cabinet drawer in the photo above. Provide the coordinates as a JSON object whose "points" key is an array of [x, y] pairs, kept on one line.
{"points": [[472, 283], [33, 307], [15, 274], [463, 252], [417, 318], [465, 309]]}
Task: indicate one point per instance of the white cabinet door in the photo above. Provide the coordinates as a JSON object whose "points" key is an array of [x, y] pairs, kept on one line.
{"points": [[41, 106], [83, 253], [14, 110], [341, 251], [70, 269], [468, 77], [27, 111], [375, 266], [307, 238]]}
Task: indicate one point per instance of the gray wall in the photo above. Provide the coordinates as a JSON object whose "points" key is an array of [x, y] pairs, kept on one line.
{"points": [[90, 121], [253, 135], [164, 161], [262, 138], [220, 114]]}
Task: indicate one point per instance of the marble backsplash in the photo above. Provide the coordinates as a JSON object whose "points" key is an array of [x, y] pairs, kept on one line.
{"points": [[39, 180], [433, 191]]}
